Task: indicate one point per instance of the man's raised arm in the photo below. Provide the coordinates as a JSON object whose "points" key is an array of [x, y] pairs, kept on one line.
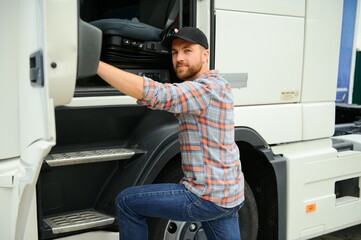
{"points": [[128, 83]]}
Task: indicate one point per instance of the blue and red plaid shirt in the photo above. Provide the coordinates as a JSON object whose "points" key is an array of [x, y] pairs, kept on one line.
{"points": [[210, 156]]}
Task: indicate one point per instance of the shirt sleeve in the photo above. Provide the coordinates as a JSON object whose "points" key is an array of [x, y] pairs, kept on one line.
{"points": [[187, 97]]}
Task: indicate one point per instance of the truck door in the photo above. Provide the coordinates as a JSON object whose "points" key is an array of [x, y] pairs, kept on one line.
{"points": [[45, 57]]}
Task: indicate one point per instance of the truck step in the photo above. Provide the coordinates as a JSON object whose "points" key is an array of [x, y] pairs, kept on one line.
{"points": [[341, 145], [82, 157], [78, 221]]}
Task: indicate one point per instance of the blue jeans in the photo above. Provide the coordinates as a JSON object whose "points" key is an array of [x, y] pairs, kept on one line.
{"points": [[175, 202]]}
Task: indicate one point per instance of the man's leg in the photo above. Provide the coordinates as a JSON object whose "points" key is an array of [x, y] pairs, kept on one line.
{"points": [[222, 229], [221, 226], [169, 201], [134, 204]]}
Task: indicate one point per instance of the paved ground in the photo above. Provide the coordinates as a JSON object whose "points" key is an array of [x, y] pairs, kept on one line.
{"points": [[352, 233]]}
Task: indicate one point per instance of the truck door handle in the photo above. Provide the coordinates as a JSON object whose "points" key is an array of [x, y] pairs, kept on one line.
{"points": [[36, 69]]}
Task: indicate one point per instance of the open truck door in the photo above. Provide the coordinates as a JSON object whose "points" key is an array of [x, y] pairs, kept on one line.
{"points": [[44, 55]]}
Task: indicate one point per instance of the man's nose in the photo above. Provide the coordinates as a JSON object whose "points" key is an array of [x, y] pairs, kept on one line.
{"points": [[179, 56]]}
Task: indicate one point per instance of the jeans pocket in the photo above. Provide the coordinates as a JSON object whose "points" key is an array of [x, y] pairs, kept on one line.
{"points": [[203, 210]]}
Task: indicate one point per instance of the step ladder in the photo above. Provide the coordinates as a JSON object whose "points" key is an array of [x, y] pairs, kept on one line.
{"points": [[90, 156], [76, 221], [84, 219]]}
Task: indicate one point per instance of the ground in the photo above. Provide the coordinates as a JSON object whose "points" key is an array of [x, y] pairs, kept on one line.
{"points": [[352, 233]]}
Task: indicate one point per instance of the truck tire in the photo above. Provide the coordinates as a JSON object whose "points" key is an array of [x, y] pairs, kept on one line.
{"points": [[161, 229]]}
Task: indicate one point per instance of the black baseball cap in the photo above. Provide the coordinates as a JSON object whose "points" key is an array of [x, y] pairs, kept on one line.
{"points": [[189, 34]]}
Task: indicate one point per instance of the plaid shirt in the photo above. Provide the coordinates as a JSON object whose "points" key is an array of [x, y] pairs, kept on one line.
{"points": [[210, 157]]}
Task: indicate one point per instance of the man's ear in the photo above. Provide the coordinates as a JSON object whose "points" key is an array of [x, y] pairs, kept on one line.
{"points": [[205, 55]]}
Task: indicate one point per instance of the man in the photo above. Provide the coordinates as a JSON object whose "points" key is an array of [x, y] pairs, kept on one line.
{"points": [[211, 190]]}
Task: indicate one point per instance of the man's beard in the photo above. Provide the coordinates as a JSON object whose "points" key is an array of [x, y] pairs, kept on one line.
{"points": [[190, 74]]}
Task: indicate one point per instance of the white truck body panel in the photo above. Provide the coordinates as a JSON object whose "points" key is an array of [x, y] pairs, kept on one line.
{"points": [[285, 119], [322, 49], [9, 130], [277, 7], [318, 120], [313, 169], [60, 50], [30, 129], [286, 46], [272, 43]]}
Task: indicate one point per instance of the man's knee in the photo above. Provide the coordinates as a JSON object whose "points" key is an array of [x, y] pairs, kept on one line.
{"points": [[123, 196], [120, 199]]}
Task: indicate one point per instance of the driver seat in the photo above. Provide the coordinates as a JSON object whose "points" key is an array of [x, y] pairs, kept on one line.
{"points": [[135, 41]]}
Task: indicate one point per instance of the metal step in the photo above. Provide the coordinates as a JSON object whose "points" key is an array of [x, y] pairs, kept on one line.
{"points": [[78, 221], [82, 157]]}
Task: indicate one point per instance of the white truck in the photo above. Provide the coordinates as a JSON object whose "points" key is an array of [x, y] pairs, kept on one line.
{"points": [[69, 143]]}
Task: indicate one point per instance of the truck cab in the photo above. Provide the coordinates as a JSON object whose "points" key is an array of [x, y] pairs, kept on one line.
{"points": [[70, 142]]}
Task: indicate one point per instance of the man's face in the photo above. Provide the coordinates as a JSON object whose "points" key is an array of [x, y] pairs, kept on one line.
{"points": [[189, 59]]}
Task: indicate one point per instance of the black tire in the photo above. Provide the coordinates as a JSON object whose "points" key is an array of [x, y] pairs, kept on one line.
{"points": [[248, 214]]}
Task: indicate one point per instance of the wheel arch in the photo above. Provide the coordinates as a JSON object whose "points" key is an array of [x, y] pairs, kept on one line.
{"points": [[266, 174], [164, 159]]}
